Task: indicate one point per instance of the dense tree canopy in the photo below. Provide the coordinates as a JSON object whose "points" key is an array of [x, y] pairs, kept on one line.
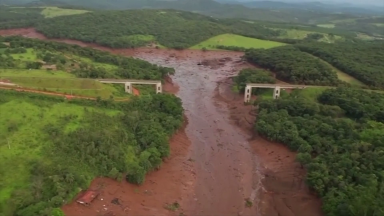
{"points": [[359, 105], [133, 28], [19, 17], [360, 59], [370, 26], [294, 66], [344, 158], [128, 68], [251, 75]]}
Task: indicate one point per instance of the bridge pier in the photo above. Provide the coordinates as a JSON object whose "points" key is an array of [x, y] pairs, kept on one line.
{"points": [[276, 92], [128, 87], [276, 89], [247, 94], [159, 88]]}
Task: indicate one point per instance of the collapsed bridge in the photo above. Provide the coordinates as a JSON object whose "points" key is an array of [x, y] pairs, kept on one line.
{"points": [[277, 89], [128, 83]]}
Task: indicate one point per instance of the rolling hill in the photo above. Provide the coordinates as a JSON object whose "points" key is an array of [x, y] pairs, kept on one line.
{"points": [[207, 7], [169, 28]]}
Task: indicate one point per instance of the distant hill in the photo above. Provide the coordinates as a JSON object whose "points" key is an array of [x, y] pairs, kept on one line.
{"points": [[206, 7], [315, 6]]}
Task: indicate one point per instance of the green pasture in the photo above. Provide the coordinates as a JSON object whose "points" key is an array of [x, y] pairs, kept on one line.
{"points": [[79, 59], [22, 139], [30, 55], [49, 12], [329, 25], [62, 82], [301, 34], [344, 20], [236, 40]]}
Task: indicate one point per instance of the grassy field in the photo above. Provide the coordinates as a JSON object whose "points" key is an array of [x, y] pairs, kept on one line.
{"points": [[62, 82], [29, 55], [344, 20], [311, 93], [379, 24], [79, 59], [236, 40], [21, 138], [50, 12], [301, 34], [326, 25]]}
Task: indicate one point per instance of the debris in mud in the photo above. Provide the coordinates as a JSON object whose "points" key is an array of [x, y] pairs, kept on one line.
{"points": [[248, 203], [88, 197], [215, 63], [172, 207], [116, 201]]}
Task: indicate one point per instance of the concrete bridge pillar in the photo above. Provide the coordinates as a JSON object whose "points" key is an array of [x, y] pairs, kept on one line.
{"points": [[128, 87], [159, 88], [276, 92], [247, 94]]}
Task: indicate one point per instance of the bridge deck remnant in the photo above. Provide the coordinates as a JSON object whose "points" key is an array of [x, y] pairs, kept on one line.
{"points": [[128, 83], [276, 87]]}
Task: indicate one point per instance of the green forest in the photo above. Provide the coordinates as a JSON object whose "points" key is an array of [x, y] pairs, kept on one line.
{"points": [[127, 67], [72, 142], [293, 66], [135, 28], [360, 59], [206, 7], [251, 75], [340, 142], [19, 17]]}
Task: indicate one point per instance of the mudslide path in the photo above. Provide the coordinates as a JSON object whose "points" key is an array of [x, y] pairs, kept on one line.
{"points": [[226, 168], [213, 168]]}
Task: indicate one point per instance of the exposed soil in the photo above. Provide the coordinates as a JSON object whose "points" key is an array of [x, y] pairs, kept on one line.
{"points": [[225, 165], [284, 191], [135, 91], [151, 198]]}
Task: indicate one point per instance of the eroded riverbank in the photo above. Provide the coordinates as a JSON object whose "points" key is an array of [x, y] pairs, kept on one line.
{"points": [[220, 169]]}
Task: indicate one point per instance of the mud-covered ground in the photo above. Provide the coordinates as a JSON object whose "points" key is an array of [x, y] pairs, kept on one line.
{"points": [[216, 163]]}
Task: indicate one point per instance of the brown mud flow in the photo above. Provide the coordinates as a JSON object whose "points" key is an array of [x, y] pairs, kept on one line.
{"points": [[225, 165], [220, 170]]}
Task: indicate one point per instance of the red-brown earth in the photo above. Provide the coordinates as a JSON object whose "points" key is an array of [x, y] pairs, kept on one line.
{"points": [[216, 162]]}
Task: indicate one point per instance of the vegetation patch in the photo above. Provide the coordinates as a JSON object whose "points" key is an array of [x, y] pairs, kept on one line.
{"points": [[236, 41], [50, 149], [293, 66], [371, 26], [49, 12], [339, 139], [251, 75], [361, 59], [61, 68], [329, 25], [172, 207], [173, 29], [302, 34], [344, 76], [13, 17]]}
